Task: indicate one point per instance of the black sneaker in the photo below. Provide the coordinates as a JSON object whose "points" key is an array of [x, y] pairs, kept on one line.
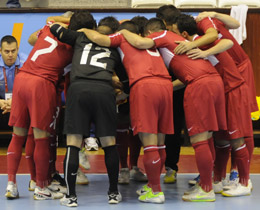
{"points": [[114, 197], [70, 201], [58, 179]]}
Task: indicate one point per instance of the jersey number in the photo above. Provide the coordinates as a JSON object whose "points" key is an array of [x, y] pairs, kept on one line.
{"points": [[94, 59], [53, 45]]}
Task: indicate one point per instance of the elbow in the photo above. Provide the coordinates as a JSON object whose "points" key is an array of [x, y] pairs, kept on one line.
{"points": [[214, 36], [230, 44], [139, 45]]}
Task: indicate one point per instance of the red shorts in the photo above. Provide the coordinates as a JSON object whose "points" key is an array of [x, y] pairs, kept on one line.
{"points": [[246, 70], [204, 105], [239, 122], [33, 102], [151, 106]]}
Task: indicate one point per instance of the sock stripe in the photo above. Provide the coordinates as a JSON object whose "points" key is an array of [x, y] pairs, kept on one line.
{"points": [[66, 170], [241, 147], [150, 147]]}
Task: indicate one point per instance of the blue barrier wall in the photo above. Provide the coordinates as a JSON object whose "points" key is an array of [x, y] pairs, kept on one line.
{"points": [[34, 21]]}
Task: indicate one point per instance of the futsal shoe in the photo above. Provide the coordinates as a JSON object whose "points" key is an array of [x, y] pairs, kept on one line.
{"points": [[70, 201], [151, 197], [199, 195], [170, 176], [81, 178], [143, 190], [137, 175], [239, 190], [32, 185], [114, 197], [124, 176], [11, 191], [46, 194]]}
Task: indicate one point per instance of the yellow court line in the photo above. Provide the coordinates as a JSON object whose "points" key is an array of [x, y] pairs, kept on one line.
{"points": [[17, 32]]}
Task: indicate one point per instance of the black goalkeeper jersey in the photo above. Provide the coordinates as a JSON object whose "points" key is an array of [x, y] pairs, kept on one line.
{"points": [[91, 61]]}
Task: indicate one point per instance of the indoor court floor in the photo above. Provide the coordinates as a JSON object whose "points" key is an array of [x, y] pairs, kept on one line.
{"points": [[94, 195]]}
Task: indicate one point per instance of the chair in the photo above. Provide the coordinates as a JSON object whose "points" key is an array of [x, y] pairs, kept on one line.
{"points": [[195, 4], [229, 3], [149, 3]]}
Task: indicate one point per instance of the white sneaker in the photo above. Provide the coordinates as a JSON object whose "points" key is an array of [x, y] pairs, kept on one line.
{"points": [[239, 190], [91, 144], [124, 176], [69, 201], [83, 159], [57, 188], [11, 191], [114, 198], [192, 189], [32, 185], [46, 194], [137, 175], [218, 187], [81, 178], [199, 195]]}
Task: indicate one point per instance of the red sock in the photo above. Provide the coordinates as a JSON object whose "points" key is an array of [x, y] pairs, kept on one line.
{"points": [[212, 148], [152, 165], [204, 162], [122, 140], [220, 166], [250, 144], [233, 162], [29, 151], [53, 154], [135, 147], [41, 158], [14, 154], [162, 153], [242, 159]]}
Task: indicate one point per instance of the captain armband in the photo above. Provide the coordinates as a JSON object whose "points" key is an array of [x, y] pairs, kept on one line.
{"points": [[57, 30]]}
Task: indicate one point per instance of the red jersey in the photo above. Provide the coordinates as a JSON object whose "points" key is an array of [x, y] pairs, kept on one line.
{"points": [[236, 52], [48, 57], [138, 63], [226, 67], [184, 68]]}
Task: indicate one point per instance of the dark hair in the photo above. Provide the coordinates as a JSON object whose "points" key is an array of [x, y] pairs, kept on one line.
{"points": [[168, 13], [140, 21], [187, 23], [82, 19], [110, 22], [154, 25], [129, 25], [9, 39]]}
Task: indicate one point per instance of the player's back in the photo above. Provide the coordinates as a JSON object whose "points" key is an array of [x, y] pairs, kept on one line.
{"points": [[183, 67], [236, 52], [93, 62], [48, 57], [138, 63]]}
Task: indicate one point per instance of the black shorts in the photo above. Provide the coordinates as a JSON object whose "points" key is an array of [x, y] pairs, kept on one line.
{"points": [[90, 101]]}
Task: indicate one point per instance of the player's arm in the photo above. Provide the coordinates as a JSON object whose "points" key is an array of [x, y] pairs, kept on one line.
{"points": [[64, 35], [230, 22], [210, 36], [58, 19], [96, 37], [221, 46], [177, 85], [136, 40], [33, 37]]}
